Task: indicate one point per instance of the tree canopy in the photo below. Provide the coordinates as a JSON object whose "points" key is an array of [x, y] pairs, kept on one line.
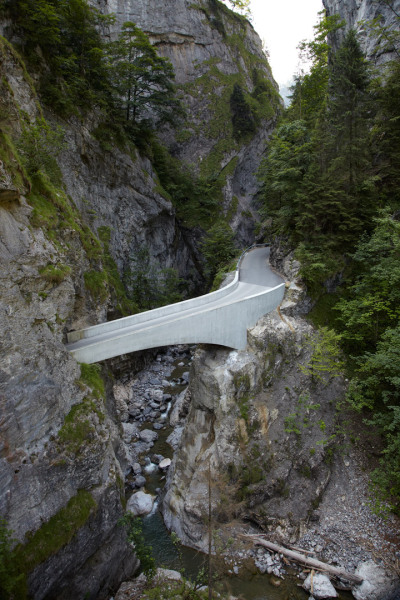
{"points": [[331, 186], [142, 80]]}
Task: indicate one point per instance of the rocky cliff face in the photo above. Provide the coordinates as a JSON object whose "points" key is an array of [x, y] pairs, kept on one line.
{"points": [[264, 426], [211, 48], [59, 441], [267, 437], [357, 14], [63, 251]]}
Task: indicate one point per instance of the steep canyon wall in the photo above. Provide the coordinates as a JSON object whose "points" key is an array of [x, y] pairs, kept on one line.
{"points": [[63, 252]]}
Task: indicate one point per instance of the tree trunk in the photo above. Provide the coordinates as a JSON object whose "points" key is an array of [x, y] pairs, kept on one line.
{"points": [[308, 562]]}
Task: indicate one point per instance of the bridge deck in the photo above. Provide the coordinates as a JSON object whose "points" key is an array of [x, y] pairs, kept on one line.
{"points": [[220, 318]]}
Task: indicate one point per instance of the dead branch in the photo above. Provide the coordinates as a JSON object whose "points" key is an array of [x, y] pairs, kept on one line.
{"points": [[312, 563]]}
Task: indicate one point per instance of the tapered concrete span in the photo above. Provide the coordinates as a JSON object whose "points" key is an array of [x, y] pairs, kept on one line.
{"points": [[221, 317]]}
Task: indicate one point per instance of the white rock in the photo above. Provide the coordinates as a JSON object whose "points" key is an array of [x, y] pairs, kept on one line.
{"points": [[322, 587], [140, 504], [164, 464], [167, 575], [377, 583], [148, 436]]}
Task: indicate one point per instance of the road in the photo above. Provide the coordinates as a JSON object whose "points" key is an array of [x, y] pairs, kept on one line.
{"points": [[255, 278]]}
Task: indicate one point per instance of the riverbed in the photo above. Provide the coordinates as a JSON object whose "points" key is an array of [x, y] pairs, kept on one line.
{"points": [[154, 399]]}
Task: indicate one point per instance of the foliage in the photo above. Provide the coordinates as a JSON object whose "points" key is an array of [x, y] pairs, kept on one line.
{"points": [[242, 117], [150, 286], [372, 302], [71, 60], [241, 6], [91, 376], [39, 146], [331, 187], [79, 427], [326, 359], [55, 274], [218, 247], [194, 197], [387, 37], [317, 179], [10, 579], [142, 80], [55, 533], [134, 527]]}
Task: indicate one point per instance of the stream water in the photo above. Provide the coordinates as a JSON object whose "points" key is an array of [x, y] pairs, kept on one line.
{"points": [[246, 585]]}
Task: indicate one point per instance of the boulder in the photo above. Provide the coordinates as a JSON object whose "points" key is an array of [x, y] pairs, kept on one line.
{"points": [[140, 481], [148, 436], [167, 575], [165, 464], [156, 458], [321, 586], [377, 584], [140, 504]]}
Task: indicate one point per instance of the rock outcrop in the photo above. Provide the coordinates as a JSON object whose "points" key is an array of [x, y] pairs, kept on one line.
{"points": [[211, 48], [359, 15], [63, 252], [263, 425]]}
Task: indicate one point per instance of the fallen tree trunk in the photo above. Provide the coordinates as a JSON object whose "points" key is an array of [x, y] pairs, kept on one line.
{"points": [[307, 561]]}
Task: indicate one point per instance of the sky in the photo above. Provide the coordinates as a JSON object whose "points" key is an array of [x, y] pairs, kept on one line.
{"points": [[282, 24]]}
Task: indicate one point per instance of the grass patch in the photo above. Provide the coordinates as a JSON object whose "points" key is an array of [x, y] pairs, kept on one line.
{"points": [[55, 274], [91, 376], [96, 284], [56, 533], [79, 427]]}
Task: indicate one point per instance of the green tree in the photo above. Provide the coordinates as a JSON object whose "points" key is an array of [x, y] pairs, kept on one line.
{"points": [[142, 80], [62, 39], [150, 286], [241, 6], [134, 528], [242, 117], [282, 173], [373, 301], [39, 147], [218, 247], [338, 193], [376, 387], [326, 359], [310, 89], [386, 134]]}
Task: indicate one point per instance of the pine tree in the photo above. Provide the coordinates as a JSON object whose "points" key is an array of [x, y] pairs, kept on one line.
{"points": [[242, 117], [142, 80]]}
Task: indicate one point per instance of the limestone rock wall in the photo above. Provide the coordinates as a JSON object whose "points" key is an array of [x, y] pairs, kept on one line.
{"points": [[263, 426], [210, 48], [357, 14]]}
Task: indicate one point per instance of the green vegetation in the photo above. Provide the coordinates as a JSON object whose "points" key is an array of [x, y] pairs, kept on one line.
{"points": [[332, 190], [55, 274], [10, 579], [134, 528], [53, 535], [149, 286], [39, 146], [194, 197], [218, 248], [325, 361], [142, 80], [79, 427]]}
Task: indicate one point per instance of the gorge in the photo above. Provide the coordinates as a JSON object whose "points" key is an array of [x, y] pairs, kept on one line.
{"points": [[100, 218]]}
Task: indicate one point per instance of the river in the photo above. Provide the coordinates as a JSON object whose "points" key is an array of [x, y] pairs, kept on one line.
{"points": [[248, 584]]}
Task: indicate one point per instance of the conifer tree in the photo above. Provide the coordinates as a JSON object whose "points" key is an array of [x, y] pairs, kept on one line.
{"points": [[142, 80]]}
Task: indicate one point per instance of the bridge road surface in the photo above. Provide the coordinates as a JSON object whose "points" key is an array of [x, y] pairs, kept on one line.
{"points": [[212, 318]]}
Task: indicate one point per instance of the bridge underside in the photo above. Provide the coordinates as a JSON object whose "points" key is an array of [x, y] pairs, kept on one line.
{"points": [[224, 325]]}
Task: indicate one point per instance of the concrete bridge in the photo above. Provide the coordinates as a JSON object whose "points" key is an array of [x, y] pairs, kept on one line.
{"points": [[221, 317]]}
